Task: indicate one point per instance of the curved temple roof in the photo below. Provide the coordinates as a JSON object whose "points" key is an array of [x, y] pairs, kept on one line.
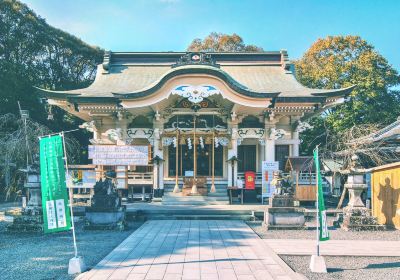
{"points": [[136, 75]]}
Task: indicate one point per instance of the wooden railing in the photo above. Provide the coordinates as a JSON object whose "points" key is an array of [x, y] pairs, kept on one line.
{"points": [[140, 178]]}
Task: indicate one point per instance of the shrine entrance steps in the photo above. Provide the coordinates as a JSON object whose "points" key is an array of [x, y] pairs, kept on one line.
{"points": [[220, 197]]}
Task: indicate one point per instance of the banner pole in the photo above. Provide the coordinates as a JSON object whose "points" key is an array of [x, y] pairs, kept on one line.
{"points": [[70, 195], [58, 133], [317, 263], [317, 207]]}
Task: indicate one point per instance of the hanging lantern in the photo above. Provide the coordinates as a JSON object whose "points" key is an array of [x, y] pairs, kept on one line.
{"points": [[50, 115], [201, 142], [24, 114], [216, 142], [174, 141], [189, 143]]}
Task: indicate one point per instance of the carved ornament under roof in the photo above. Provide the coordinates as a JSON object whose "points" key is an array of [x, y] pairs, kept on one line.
{"points": [[195, 58]]}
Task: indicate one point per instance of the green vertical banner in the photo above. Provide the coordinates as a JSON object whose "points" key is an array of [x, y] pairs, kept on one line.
{"points": [[56, 214], [323, 231]]}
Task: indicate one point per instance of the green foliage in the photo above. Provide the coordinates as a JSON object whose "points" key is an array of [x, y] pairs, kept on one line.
{"points": [[33, 53], [219, 42], [341, 61]]}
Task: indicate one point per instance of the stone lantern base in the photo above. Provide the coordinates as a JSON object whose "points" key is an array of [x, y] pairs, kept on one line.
{"points": [[359, 219], [30, 218], [356, 217], [25, 222]]}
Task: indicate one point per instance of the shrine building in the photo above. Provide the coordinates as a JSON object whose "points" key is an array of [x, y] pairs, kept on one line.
{"points": [[206, 118]]}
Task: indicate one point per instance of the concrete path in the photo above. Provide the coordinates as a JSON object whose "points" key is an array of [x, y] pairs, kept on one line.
{"points": [[374, 248], [192, 249]]}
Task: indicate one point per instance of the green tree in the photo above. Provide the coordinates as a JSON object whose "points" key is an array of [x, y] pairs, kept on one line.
{"points": [[219, 42], [33, 53], [341, 61]]}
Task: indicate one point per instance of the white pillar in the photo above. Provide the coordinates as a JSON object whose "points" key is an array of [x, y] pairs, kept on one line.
{"points": [[269, 149], [295, 146]]}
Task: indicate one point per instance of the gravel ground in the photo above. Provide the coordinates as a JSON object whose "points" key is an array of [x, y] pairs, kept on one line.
{"points": [[370, 268], [38, 256], [387, 268], [335, 234]]}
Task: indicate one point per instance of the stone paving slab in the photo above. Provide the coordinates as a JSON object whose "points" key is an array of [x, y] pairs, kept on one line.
{"points": [[192, 249], [366, 248]]}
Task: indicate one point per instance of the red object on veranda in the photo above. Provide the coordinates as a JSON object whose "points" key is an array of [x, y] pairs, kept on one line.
{"points": [[250, 180]]}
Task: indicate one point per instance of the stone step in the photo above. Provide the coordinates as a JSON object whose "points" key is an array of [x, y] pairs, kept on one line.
{"points": [[208, 195], [218, 190], [201, 217]]}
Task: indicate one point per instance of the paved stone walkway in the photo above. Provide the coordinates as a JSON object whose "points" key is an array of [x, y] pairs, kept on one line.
{"points": [[373, 248], [190, 249]]}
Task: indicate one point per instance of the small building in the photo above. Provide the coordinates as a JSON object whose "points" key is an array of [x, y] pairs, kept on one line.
{"points": [[194, 111], [303, 175], [385, 188]]}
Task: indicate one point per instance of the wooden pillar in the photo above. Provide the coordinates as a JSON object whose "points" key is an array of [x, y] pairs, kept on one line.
{"points": [[194, 187]]}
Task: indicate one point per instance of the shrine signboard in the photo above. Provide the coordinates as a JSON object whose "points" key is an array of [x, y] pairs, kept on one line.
{"points": [[119, 155], [268, 168]]}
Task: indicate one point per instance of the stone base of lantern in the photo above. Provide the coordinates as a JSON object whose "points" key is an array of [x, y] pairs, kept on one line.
{"points": [[25, 221], [355, 216], [358, 219]]}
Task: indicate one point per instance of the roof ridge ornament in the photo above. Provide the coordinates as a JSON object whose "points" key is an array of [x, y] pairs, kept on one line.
{"points": [[195, 58], [286, 64], [106, 61]]}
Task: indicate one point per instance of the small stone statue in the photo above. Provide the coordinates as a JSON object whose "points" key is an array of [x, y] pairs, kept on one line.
{"points": [[282, 185], [106, 211], [105, 193]]}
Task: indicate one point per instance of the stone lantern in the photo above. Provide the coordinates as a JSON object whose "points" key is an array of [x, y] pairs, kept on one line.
{"points": [[31, 217], [356, 186], [32, 184], [355, 215]]}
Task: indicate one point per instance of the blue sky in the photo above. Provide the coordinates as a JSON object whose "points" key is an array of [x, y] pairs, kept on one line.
{"points": [[170, 25]]}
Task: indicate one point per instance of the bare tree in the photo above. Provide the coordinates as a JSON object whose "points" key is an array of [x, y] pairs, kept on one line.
{"points": [[359, 142], [19, 146]]}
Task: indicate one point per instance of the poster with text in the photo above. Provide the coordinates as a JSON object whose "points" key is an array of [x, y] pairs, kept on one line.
{"points": [[268, 167]]}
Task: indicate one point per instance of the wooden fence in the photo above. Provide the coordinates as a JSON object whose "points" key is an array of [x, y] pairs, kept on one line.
{"points": [[385, 186]]}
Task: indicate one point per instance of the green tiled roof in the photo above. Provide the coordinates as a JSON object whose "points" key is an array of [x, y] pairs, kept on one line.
{"points": [[133, 75]]}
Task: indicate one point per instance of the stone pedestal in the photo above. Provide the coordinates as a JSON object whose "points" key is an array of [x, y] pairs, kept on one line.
{"points": [[25, 222], [30, 218], [106, 219], [282, 214], [106, 211], [356, 217]]}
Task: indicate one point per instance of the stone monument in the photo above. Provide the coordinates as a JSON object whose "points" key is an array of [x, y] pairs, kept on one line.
{"points": [[106, 211], [281, 212]]}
